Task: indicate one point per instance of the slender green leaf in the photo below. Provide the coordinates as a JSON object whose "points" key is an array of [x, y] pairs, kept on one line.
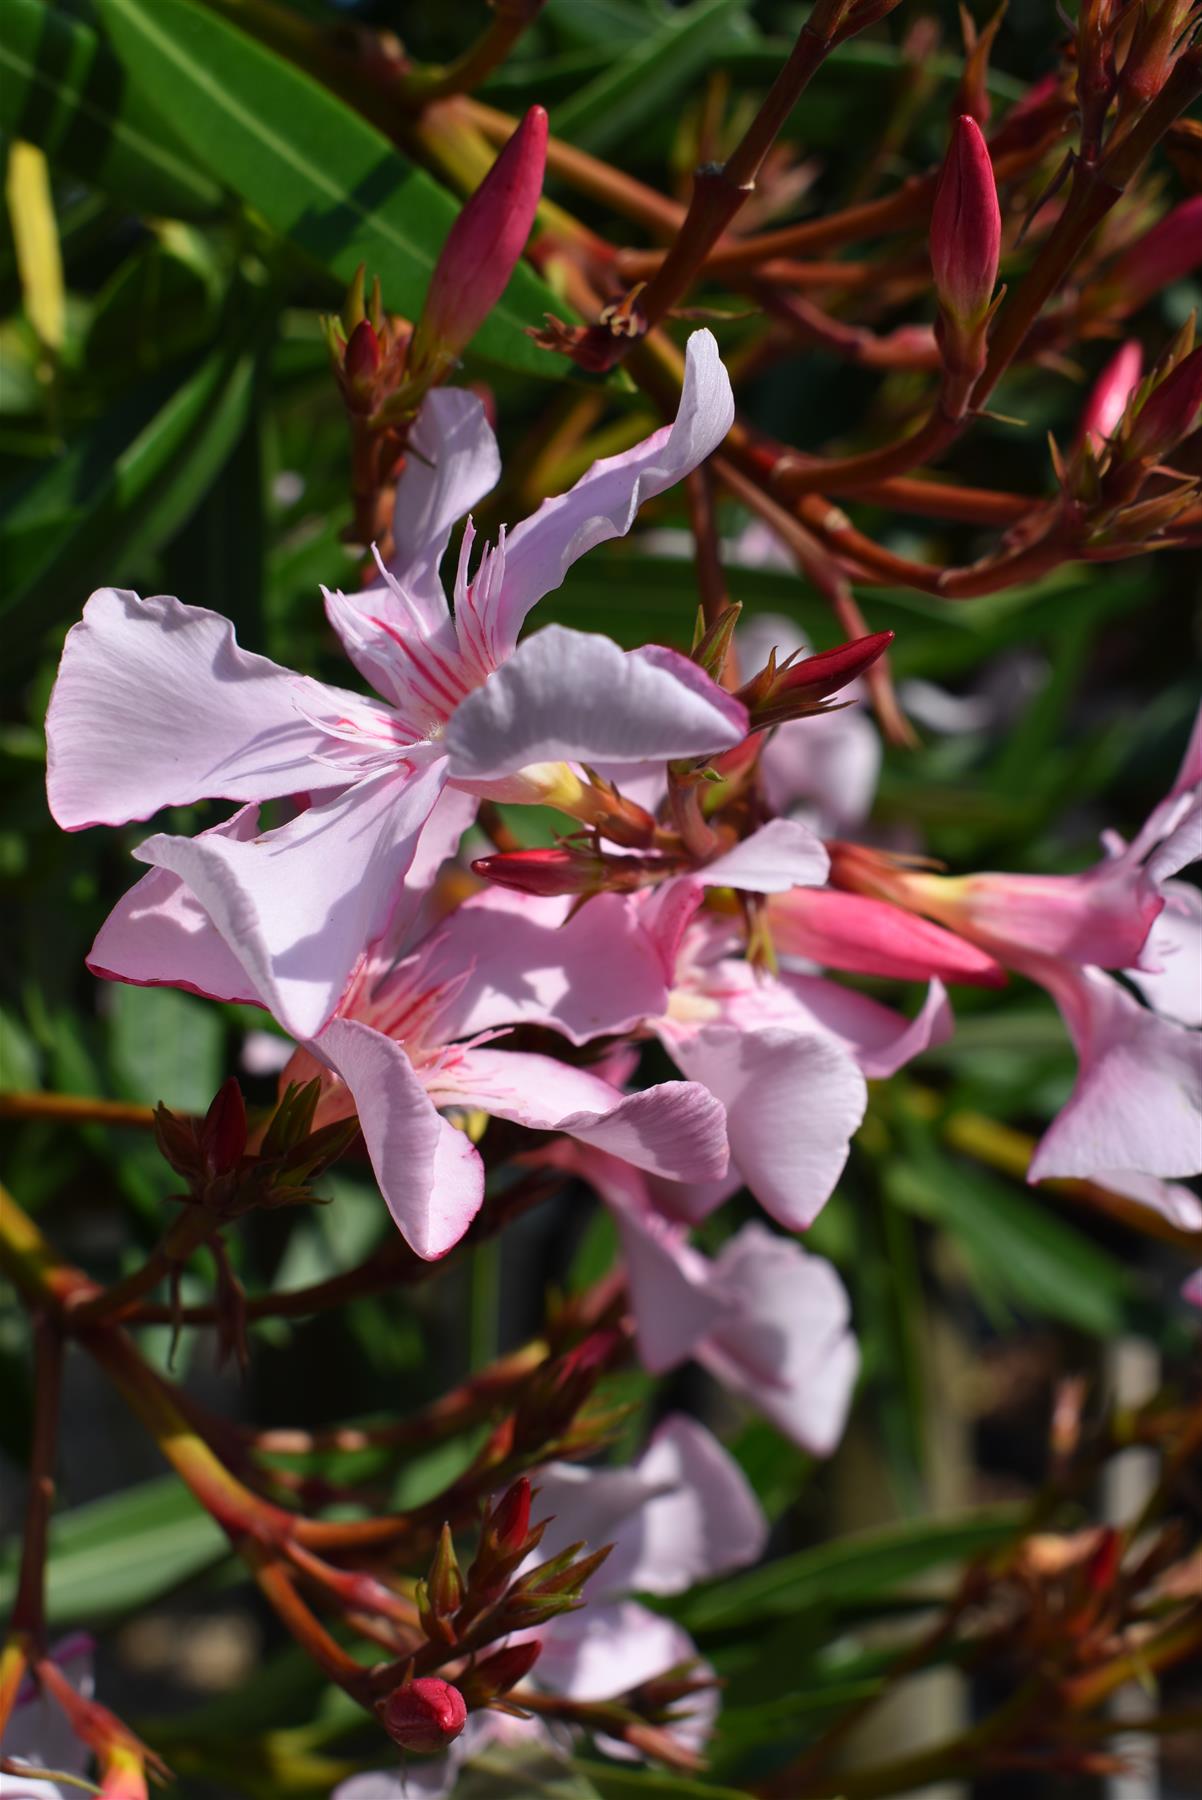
{"points": [[655, 70], [312, 168], [121, 488], [867, 1565], [116, 1554], [62, 89]]}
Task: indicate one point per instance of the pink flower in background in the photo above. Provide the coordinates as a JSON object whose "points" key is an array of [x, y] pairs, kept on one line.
{"points": [[156, 705], [414, 1038], [1135, 1112], [787, 1055], [767, 1320], [39, 1734]]}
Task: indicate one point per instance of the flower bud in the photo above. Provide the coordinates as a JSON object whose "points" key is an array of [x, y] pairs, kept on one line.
{"points": [[424, 1716], [441, 1594], [223, 1133], [496, 1674], [363, 354], [509, 1521], [568, 869], [966, 228], [1171, 412], [1159, 37], [1107, 401], [482, 248], [1171, 250], [798, 687]]}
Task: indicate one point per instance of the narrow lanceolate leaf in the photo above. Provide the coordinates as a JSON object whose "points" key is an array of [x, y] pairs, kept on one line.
{"points": [[114, 1555], [62, 89], [122, 488], [651, 73], [864, 1567], [310, 166]]}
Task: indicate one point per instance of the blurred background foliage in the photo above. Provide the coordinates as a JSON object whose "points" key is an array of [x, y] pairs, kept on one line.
{"points": [[168, 423]]}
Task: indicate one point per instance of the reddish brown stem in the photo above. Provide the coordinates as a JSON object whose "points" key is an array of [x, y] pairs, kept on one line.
{"points": [[29, 1614], [510, 19]]}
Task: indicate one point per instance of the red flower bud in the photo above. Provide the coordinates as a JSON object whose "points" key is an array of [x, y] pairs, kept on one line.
{"points": [[496, 1674], [363, 355], [509, 1521], [1171, 249], [1109, 395], [567, 869], [223, 1134], [482, 247], [1171, 412], [798, 687], [425, 1715], [966, 228]]}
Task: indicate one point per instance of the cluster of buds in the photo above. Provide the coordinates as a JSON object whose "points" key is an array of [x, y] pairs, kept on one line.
{"points": [[966, 240], [225, 1178], [1120, 474]]}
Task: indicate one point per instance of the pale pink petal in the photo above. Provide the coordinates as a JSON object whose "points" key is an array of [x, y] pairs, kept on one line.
{"points": [[300, 904], [1181, 847], [430, 1174], [871, 937], [570, 696], [1136, 1105], [785, 1342], [416, 909], [826, 767], [672, 1293], [603, 504], [159, 933], [666, 912], [881, 1040], [705, 1519], [1100, 917], [522, 960], [1170, 976], [792, 1105], [1174, 1202], [453, 461], [1191, 1288], [605, 1650], [156, 705], [781, 855], [682, 1513], [674, 1129]]}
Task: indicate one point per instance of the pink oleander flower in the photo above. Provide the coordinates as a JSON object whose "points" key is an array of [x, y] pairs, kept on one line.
{"points": [[156, 704], [1135, 1112], [683, 1513], [482, 248], [39, 1734], [787, 1055], [767, 1320], [413, 1039], [1172, 249]]}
